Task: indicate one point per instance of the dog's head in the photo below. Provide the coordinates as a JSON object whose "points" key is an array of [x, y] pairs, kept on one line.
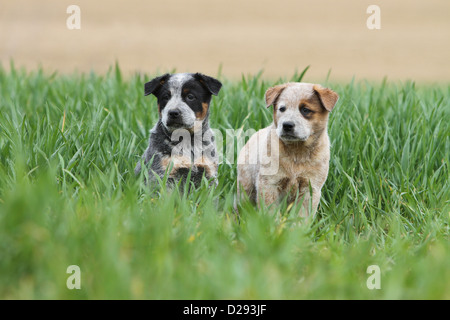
{"points": [[300, 109], [183, 98]]}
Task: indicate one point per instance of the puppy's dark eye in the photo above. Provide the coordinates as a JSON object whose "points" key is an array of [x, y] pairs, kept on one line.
{"points": [[190, 97], [305, 111], [282, 109], [165, 96]]}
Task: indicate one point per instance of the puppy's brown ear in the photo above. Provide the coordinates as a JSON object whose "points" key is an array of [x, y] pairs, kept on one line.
{"points": [[273, 93], [327, 96]]}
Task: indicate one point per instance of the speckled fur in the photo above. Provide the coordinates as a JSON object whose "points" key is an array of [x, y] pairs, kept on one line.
{"points": [[299, 163], [188, 149]]}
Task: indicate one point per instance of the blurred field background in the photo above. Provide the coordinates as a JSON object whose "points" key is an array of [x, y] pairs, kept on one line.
{"points": [[241, 36]]}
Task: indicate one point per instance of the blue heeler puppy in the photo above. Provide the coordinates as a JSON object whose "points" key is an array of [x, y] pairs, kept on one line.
{"points": [[182, 142]]}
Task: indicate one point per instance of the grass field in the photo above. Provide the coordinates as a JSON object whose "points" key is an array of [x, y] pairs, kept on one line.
{"points": [[68, 196]]}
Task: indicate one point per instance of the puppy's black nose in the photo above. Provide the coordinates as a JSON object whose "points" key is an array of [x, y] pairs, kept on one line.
{"points": [[288, 126], [174, 114]]}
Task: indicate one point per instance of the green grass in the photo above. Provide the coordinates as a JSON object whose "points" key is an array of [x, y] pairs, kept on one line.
{"points": [[68, 196]]}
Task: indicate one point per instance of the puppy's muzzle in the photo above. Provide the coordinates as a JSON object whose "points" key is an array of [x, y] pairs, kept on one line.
{"points": [[174, 118], [290, 132], [288, 127], [174, 114]]}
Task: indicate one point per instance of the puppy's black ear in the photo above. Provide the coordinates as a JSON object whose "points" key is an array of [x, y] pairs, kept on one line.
{"points": [[213, 85], [151, 86]]}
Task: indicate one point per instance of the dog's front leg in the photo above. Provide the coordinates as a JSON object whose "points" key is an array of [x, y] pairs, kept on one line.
{"points": [[310, 203], [267, 192]]}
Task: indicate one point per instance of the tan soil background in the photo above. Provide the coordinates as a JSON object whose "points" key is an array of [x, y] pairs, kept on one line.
{"points": [[242, 36]]}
